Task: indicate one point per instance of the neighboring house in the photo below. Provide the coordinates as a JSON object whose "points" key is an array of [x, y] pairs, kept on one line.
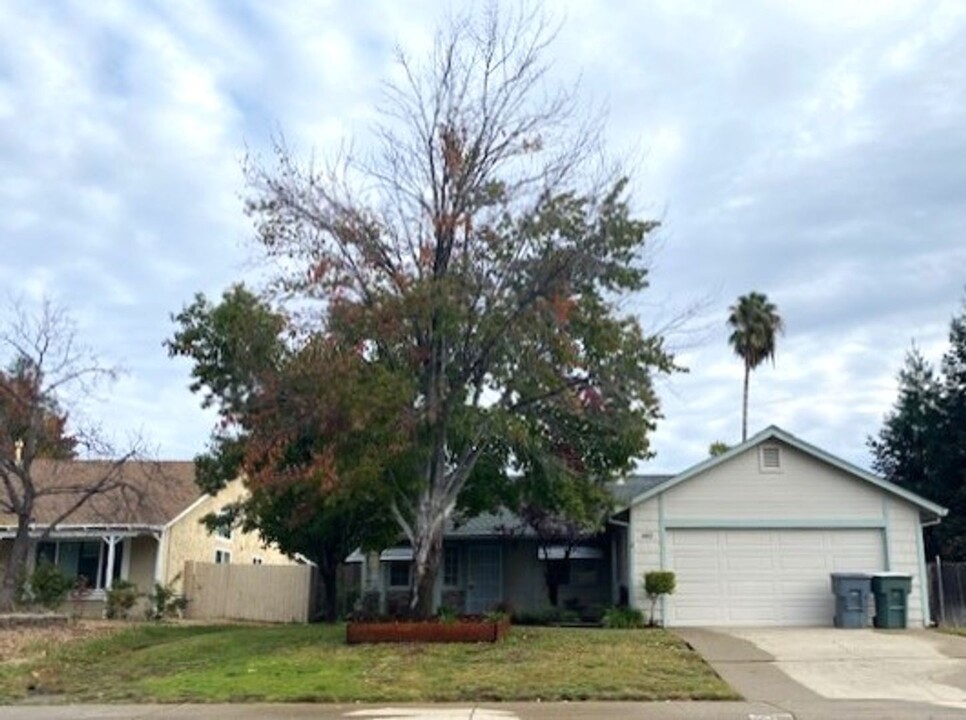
{"points": [[143, 533], [752, 536]]}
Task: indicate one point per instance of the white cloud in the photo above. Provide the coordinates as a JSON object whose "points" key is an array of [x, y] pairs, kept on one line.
{"points": [[812, 151]]}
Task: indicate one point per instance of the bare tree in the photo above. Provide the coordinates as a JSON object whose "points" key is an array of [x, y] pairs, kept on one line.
{"points": [[46, 372]]}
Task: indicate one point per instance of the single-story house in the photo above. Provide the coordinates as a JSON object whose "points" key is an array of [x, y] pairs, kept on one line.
{"points": [[752, 536], [143, 533]]}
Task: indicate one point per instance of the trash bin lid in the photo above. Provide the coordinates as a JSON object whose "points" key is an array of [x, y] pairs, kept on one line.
{"points": [[852, 575]]}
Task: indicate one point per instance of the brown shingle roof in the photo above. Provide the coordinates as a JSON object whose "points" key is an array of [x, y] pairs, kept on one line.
{"points": [[153, 494]]}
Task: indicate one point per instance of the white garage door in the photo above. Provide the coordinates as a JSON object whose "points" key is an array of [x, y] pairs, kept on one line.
{"points": [[763, 577]]}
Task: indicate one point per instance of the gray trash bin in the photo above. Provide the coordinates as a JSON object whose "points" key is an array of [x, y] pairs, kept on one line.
{"points": [[851, 590]]}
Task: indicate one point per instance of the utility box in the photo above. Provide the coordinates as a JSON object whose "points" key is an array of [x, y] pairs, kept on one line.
{"points": [[851, 590], [891, 591]]}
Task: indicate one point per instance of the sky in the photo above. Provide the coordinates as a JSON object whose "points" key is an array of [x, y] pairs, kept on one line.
{"points": [[811, 150]]}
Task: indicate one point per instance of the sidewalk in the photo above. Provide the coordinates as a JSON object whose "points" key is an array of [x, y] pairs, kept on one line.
{"points": [[488, 711]]}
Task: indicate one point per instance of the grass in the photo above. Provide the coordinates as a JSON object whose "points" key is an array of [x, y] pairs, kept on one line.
{"points": [[229, 663]]}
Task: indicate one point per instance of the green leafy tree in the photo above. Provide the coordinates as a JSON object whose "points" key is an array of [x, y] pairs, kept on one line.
{"points": [[755, 325], [718, 448], [477, 257], [922, 442], [298, 422]]}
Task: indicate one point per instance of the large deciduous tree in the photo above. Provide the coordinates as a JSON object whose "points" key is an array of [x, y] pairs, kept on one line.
{"points": [[922, 442], [298, 421], [47, 371], [755, 325], [478, 258]]}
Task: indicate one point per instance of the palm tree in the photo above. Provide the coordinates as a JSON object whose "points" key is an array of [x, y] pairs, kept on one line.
{"points": [[754, 323]]}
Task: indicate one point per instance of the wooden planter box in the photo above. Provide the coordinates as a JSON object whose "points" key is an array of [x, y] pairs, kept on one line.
{"points": [[430, 631]]}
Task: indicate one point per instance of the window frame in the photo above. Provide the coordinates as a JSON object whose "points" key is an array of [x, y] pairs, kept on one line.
{"points": [[451, 574], [408, 565]]}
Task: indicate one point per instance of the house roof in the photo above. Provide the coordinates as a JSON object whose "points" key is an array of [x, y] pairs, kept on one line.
{"points": [[153, 494], [626, 490], [774, 432]]}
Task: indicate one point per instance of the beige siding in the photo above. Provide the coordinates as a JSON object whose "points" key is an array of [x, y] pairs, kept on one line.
{"points": [[808, 492], [904, 553], [189, 539], [644, 548], [141, 563], [805, 488]]}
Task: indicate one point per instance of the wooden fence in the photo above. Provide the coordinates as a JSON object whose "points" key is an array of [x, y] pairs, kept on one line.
{"points": [[266, 593], [947, 592]]}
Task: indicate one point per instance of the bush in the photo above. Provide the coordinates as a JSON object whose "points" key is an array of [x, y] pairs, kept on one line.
{"points": [[656, 584], [49, 585], [623, 618], [120, 599], [165, 601]]}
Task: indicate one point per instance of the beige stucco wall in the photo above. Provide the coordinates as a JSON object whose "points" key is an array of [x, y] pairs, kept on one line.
{"points": [[141, 563], [188, 538], [805, 489]]}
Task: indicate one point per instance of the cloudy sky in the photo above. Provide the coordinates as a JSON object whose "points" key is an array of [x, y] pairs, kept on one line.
{"points": [[814, 151]]}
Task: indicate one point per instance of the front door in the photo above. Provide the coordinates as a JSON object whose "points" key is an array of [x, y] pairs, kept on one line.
{"points": [[484, 578]]}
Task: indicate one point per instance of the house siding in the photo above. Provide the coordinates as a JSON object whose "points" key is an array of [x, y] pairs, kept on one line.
{"points": [[141, 564], [644, 549], [805, 488], [904, 555], [806, 493], [189, 539]]}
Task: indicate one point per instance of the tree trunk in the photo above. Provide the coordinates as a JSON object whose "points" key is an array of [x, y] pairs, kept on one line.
{"points": [[16, 565], [744, 406], [427, 551], [329, 576]]}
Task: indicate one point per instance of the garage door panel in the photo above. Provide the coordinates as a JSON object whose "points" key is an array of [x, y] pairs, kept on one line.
{"points": [[763, 577]]}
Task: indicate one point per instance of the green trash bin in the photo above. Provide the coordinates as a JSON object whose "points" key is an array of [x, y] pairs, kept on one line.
{"points": [[891, 592]]}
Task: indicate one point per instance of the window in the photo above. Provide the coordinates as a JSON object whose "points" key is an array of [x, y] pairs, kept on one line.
{"points": [[256, 560], [82, 558], [451, 566], [399, 574], [223, 531], [222, 557], [770, 458]]}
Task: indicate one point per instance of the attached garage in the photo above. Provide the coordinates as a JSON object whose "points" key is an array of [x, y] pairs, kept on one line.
{"points": [[764, 577], [754, 534]]}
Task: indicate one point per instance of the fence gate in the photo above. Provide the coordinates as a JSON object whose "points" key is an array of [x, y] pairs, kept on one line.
{"points": [[947, 592], [266, 593]]}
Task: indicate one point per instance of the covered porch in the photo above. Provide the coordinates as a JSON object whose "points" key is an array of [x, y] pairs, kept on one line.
{"points": [[96, 557]]}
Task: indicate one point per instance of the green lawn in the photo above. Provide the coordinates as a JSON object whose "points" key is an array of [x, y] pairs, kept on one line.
{"points": [[312, 663]]}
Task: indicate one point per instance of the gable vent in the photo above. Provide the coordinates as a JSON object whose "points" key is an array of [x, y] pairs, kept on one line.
{"points": [[770, 458]]}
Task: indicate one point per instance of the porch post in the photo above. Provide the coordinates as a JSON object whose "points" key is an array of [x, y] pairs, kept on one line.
{"points": [[112, 541], [614, 576], [158, 564]]}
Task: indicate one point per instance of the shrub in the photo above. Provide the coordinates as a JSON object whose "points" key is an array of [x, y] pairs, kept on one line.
{"points": [[49, 585], [120, 599], [656, 584], [622, 618], [165, 601], [446, 614]]}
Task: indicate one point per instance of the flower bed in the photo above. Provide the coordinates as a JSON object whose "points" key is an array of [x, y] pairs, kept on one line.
{"points": [[462, 630]]}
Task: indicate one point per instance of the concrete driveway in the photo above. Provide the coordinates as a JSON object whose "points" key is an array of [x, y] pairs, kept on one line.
{"points": [[911, 673]]}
